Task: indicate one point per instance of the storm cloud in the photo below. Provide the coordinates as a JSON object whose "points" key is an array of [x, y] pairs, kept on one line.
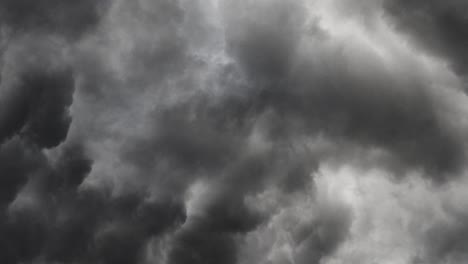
{"points": [[222, 131]]}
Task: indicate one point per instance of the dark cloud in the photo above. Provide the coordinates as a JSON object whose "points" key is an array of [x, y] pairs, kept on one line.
{"points": [[48, 120], [297, 174], [440, 27], [67, 224], [446, 242], [31, 121], [68, 18], [21, 237], [24, 229], [403, 122], [188, 143], [213, 236], [188, 128], [34, 118], [22, 232], [200, 246], [372, 109], [31, 112], [132, 224], [265, 38], [18, 161], [197, 141]]}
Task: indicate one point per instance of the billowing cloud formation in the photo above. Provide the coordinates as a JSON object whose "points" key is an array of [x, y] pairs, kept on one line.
{"points": [[160, 131]]}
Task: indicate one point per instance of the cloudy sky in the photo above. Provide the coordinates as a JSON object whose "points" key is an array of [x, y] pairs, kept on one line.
{"points": [[233, 132]]}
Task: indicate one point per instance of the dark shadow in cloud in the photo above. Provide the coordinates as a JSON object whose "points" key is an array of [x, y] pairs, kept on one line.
{"points": [[213, 236], [21, 233], [17, 161], [37, 109], [34, 117], [265, 40], [50, 96], [298, 174], [68, 18], [73, 166], [72, 234], [21, 236], [202, 246], [23, 229], [441, 27]]}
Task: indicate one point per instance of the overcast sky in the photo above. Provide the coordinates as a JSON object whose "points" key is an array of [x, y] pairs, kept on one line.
{"points": [[233, 132]]}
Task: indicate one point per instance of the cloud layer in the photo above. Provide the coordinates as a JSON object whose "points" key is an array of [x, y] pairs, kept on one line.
{"points": [[173, 132]]}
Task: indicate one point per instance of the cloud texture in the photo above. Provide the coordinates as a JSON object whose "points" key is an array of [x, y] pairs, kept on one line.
{"points": [[225, 132]]}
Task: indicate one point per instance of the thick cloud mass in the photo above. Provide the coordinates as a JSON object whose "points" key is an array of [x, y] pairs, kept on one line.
{"points": [[440, 27], [69, 18], [225, 132]]}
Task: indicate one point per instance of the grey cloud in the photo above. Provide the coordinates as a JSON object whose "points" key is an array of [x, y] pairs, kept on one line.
{"points": [[321, 237], [440, 27], [100, 155], [31, 114], [445, 240], [67, 18], [70, 224], [328, 97], [18, 160]]}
